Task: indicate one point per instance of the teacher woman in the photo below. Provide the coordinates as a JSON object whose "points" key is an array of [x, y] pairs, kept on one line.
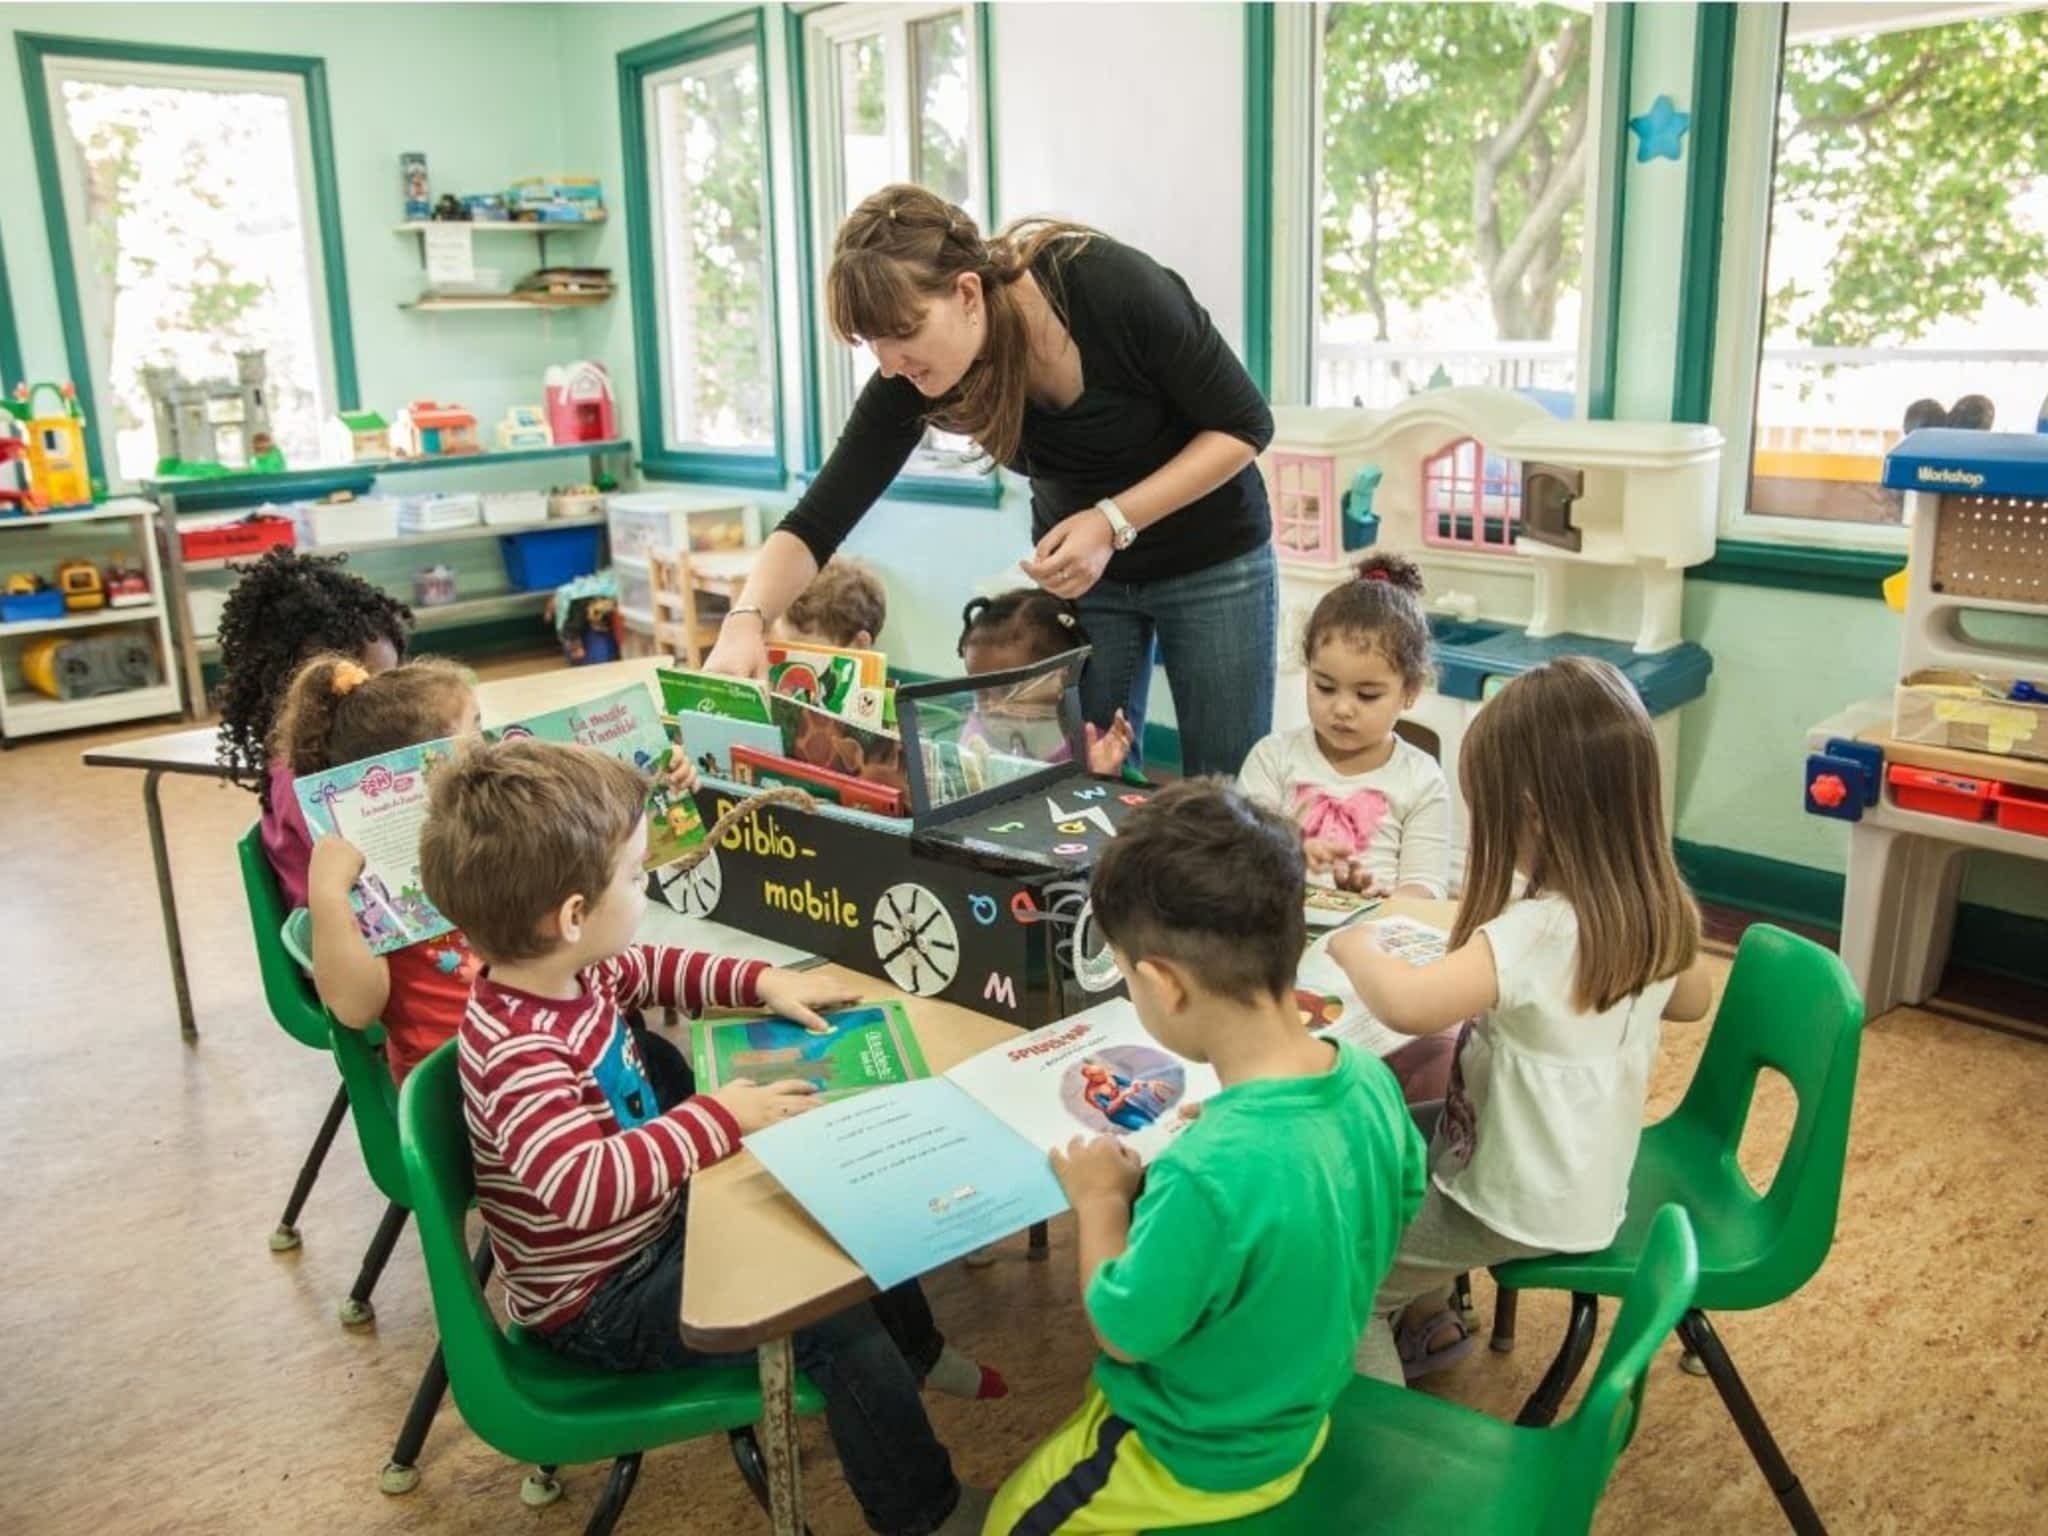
{"points": [[1089, 368]]}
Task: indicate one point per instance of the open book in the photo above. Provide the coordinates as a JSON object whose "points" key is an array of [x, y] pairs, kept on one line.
{"points": [[380, 805], [907, 1178]]}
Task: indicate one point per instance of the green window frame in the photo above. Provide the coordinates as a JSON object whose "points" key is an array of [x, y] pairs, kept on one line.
{"points": [[36, 49], [766, 468]]}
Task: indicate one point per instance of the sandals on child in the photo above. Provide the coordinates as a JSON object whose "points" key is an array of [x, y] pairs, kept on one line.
{"points": [[1433, 1343]]}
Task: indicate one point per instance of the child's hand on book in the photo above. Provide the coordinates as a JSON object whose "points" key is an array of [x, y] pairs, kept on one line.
{"points": [[805, 996], [682, 775], [335, 864], [1098, 1168], [757, 1107]]}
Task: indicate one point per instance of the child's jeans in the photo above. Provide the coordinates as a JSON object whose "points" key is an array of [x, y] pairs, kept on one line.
{"points": [[893, 1462]]}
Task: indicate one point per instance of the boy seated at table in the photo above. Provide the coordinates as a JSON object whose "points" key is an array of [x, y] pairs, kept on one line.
{"points": [[535, 850], [1228, 1283]]}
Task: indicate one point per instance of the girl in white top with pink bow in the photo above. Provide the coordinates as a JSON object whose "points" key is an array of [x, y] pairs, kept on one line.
{"points": [[1374, 811]]}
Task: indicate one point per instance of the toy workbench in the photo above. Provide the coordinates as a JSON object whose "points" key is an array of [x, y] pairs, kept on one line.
{"points": [[977, 896]]}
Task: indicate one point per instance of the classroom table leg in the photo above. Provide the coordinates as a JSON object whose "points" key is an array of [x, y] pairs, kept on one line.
{"points": [[167, 899], [778, 1437]]}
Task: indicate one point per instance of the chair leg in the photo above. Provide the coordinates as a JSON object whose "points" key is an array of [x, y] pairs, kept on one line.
{"points": [[286, 1237], [540, 1487], [1506, 1303], [1698, 1336], [1041, 1244], [746, 1455], [618, 1489], [1461, 1300], [401, 1473], [1548, 1397], [356, 1312]]}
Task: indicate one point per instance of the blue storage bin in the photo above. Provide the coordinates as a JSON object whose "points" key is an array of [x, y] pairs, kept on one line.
{"points": [[546, 558], [28, 607]]}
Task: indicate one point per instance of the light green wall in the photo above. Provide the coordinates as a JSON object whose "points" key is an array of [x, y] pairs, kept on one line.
{"points": [[478, 88]]}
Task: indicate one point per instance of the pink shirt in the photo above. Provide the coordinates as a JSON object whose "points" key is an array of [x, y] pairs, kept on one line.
{"points": [[286, 838]]}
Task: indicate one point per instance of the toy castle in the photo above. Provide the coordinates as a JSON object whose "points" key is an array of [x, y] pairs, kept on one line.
{"points": [[193, 421]]}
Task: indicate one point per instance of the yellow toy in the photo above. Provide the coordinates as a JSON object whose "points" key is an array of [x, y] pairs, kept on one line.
{"points": [[1895, 590], [57, 470], [79, 581]]}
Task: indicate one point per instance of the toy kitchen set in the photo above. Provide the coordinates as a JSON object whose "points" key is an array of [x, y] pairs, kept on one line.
{"points": [[1537, 537]]}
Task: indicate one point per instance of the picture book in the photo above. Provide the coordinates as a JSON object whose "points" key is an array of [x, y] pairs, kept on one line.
{"points": [[627, 725], [906, 1178], [379, 805], [709, 739], [703, 693], [1330, 1005], [825, 740], [771, 770], [1327, 907], [869, 1047], [852, 684]]}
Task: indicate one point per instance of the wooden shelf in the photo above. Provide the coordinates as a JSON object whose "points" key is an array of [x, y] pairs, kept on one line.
{"points": [[447, 303], [500, 226], [98, 619], [407, 540]]}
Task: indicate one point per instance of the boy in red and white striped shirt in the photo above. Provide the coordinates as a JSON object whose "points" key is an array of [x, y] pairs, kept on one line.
{"points": [[535, 851]]}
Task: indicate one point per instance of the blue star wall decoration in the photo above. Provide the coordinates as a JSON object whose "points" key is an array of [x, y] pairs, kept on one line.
{"points": [[1659, 131]]}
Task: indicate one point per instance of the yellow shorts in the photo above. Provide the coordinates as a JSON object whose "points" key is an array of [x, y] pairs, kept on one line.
{"points": [[1092, 1477]]}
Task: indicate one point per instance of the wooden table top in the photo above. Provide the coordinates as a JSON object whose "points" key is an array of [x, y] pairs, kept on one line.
{"points": [[513, 698], [756, 1266]]}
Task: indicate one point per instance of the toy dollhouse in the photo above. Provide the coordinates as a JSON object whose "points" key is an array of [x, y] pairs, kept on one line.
{"points": [[1537, 537], [356, 437], [579, 403], [52, 428], [425, 430]]}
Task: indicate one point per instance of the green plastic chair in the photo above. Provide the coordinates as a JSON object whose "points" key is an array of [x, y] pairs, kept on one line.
{"points": [[1791, 1006], [520, 1397], [1398, 1460], [288, 990]]}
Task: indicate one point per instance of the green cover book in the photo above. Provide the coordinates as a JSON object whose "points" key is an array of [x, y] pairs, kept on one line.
{"points": [[872, 1046], [701, 693]]}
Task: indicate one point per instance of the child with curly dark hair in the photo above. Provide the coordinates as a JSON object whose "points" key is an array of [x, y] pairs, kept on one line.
{"points": [[286, 608], [1028, 625]]}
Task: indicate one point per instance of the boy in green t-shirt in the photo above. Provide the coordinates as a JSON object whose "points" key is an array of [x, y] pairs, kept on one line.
{"points": [[1230, 1298]]}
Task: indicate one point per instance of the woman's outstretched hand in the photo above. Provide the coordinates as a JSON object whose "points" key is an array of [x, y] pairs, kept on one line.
{"points": [[742, 648]]}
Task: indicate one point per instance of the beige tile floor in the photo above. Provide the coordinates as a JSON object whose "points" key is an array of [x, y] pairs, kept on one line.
{"points": [[162, 1371]]}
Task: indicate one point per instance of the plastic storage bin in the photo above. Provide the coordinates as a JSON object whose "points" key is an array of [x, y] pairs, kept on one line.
{"points": [[1940, 794], [365, 520], [548, 557], [636, 591], [439, 512], [511, 509], [645, 520], [2020, 810], [236, 537], [31, 607]]}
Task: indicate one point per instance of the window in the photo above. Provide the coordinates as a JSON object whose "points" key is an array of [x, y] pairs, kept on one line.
{"points": [[196, 247], [1888, 223], [701, 248], [892, 93], [1445, 174]]}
